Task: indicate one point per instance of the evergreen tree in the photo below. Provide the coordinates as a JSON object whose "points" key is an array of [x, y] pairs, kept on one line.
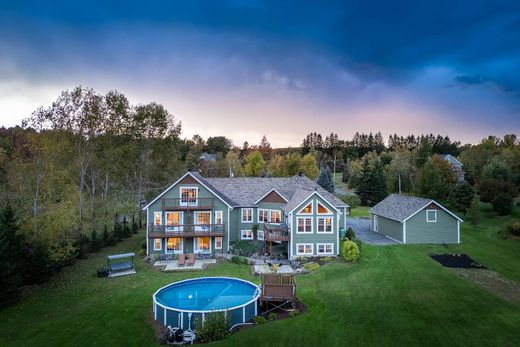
{"points": [[378, 183], [474, 211], [424, 152], [325, 180], [95, 244], [346, 172], [365, 188], [106, 236], [10, 266], [461, 197]]}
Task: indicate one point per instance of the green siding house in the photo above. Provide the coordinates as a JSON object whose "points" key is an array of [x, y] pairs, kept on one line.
{"points": [[409, 219], [205, 215]]}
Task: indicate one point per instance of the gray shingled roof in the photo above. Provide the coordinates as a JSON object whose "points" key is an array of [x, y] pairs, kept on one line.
{"points": [[245, 191], [399, 207]]}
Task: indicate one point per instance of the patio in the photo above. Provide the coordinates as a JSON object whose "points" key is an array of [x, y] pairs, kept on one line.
{"points": [[173, 265]]}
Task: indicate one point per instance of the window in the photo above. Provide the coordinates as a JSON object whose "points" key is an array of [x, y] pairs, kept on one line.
{"points": [[247, 215], [202, 220], [304, 249], [260, 235], [157, 218], [325, 248], [323, 210], [304, 225], [275, 216], [174, 245], [431, 216], [263, 215], [173, 220], [189, 196], [218, 242], [307, 209], [157, 245], [246, 234], [202, 244], [325, 225], [218, 217]]}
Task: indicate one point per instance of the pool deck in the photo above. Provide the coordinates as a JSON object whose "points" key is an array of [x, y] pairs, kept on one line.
{"points": [[173, 265], [262, 269]]}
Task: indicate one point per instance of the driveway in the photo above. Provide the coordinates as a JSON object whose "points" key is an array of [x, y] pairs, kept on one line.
{"points": [[361, 227]]}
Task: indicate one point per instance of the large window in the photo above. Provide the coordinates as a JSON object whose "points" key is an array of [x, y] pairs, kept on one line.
{"points": [[202, 244], [246, 234], [325, 248], [173, 220], [322, 209], [247, 215], [269, 216], [307, 209], [157, 245], [431, 216], [304, 249], [157, 218], [304, 224], [174, 245], [202, 220], [218, 242], [325, 225], [189, 196]]}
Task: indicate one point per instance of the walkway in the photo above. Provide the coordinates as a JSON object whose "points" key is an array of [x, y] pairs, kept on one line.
{"points": [[361, 227]]}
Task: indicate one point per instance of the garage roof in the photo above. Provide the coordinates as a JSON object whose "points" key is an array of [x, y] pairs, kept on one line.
{"points": [[402, 207]]}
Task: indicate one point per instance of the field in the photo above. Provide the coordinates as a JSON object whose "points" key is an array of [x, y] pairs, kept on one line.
{"points": [[396, 295]]}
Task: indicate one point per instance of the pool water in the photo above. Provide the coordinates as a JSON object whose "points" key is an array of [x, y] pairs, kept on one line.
{"points": [[207, 294]]}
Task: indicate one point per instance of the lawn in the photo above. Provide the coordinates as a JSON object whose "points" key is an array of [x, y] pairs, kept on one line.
{"points": [[396, 295], [360, 212]]}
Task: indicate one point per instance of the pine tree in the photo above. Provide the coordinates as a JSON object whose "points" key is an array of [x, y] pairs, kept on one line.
{"points": [[94, 241], [424, 152], [365, 188], [10, 259], [346, 172], [378, 183], [325, 180], [106, 236], [461, 197]]}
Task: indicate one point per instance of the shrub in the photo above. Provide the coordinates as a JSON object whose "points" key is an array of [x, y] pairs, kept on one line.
{"points": [[503, 204], [259, 320], [510, 229], [326, 259], [246, 248], [350, 251], [352, 200], [351, 235], [95, 244], [293, 313], [142, 252], [214, 328], [135, 227], [358, 243], [311, 266], [239, 260], [272, 316]]}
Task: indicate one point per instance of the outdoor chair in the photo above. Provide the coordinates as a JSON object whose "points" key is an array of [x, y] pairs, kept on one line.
{"points": [[191, 259], [182, 259]]}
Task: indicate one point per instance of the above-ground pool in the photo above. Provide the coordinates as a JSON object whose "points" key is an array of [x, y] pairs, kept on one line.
{"points": [[179, 304]]}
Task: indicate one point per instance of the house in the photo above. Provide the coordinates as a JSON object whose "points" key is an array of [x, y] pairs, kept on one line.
{"points": [[456, 165], [204, 215], [207, 162], [410, 219]]}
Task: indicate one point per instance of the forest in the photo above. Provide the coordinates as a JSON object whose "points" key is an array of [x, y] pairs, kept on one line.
{"points": [[74, 174]]}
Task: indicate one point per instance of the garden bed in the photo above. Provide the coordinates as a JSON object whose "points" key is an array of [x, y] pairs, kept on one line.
{"points": [[457, 261]]}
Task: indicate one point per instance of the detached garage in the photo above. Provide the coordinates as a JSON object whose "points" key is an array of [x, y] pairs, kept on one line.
{"points": [[409, 219]]}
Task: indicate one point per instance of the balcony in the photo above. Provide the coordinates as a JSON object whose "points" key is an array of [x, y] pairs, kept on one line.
{"points": [[185, 204], [275, 232], [186, 230]]}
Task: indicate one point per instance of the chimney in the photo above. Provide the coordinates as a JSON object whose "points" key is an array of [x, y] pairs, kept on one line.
{"points": [[300, 173]]}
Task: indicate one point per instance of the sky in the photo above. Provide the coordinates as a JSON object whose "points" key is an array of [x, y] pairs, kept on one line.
{"points": [[280, 68]]}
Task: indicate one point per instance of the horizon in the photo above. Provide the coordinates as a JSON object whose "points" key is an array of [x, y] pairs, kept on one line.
{"points": [[244, 69]]}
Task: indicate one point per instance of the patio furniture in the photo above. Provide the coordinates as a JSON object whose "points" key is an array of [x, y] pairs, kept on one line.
{"points": [[191, 259], [182, 259], [121, 264]]}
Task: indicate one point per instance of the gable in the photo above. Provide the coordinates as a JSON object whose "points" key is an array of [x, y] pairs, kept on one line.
{"points": [[273, 197], [188, 180]]}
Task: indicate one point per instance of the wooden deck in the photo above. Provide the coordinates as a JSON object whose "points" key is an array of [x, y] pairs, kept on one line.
{"points": [[278, 288]]}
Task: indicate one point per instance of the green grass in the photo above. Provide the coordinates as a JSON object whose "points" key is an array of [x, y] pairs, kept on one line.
{"points": [[360, 212], [396, 295]]}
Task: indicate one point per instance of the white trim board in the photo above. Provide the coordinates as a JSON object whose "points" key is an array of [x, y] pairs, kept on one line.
{"points": [[310, 195]]}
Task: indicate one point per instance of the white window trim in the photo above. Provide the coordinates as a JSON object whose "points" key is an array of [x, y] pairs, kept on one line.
{"points": [[196, 219], [304, 213], [431, 221], [242, 215], [160, 217], [174, 251], [324, 224], [304, 245], [305, 232], [174, 227], [195, 250], [325, 245], [196, 195], [221, 242], [329, 213], [221, 213], [258, 237], [246, 238], [270, 221], [259, 213], [155, 244]]}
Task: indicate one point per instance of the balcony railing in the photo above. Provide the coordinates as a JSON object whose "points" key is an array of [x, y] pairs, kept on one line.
{"points": [[186, 230], [188, 203], [274, 232]]}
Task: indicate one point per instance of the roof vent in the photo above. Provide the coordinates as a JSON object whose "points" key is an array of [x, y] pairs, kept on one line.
{"points": [[300, 173]]}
